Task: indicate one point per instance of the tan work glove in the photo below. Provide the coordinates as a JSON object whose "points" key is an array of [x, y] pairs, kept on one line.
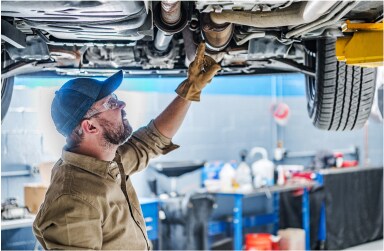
{"points": [[200, 73]]}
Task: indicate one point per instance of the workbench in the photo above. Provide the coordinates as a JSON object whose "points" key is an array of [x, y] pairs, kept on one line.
{"points": [[273, 192]]}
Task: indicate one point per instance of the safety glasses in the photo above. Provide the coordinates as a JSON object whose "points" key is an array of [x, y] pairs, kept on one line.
{"points": [[112, 103]]}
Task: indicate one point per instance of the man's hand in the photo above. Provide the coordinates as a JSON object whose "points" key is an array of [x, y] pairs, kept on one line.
{"points": [[200, 73]]}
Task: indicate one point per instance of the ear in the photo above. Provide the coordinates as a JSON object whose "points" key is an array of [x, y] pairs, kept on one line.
{"points": [[89, 127]]}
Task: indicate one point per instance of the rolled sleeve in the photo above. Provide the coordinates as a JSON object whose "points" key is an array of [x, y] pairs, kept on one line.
{"points": [[146, 143], [69, 223]]}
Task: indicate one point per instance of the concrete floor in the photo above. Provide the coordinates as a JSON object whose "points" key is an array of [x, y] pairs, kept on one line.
{"points": [[375, 245]]}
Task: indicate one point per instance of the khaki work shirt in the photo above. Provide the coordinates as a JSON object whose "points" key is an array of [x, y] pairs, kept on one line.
{"points": [[90, 206]]}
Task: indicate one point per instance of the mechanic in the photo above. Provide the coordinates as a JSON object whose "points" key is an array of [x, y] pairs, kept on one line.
{"points": [[91, 203]]}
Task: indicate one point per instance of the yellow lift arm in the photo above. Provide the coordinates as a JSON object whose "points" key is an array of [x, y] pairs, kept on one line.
{"points": [[364, 48]]}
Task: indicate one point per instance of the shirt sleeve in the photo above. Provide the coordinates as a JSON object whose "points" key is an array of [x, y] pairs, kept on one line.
{"points": [[69, 223], [145, 143]]}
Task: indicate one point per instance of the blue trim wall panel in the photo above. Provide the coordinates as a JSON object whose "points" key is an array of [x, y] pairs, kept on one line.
{"points": [[247, 85]]}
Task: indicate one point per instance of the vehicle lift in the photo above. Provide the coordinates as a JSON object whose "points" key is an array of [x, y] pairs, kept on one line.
{"points": [[364, 48]]}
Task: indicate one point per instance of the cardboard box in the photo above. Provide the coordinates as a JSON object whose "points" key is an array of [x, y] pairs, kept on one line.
{"points": [[34, 195], [292, 239]]}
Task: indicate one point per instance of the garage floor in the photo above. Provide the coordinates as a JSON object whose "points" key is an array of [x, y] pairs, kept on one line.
{"points": [[375, 245]]}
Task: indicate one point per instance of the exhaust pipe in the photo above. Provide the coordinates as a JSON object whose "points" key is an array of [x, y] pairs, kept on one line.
{"points": [[162, 40], [216, 36], [296, 14], [170, 11], [172, 19], [189, 46]]}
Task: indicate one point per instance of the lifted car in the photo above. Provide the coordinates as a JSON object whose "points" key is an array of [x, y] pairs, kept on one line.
{"points": [[244, 37]]}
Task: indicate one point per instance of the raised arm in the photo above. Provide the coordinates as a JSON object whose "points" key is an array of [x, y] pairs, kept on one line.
{"points": [[170, 120], [200, 73]]}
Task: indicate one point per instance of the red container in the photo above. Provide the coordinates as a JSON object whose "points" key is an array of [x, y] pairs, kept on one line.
{"points": [[258, 242]]}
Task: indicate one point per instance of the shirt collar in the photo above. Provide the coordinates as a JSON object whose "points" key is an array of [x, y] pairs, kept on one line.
{"points": [[90, 164]]}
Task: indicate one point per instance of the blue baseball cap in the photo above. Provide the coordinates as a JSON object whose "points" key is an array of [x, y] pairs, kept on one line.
{"points": [[76, 96]]}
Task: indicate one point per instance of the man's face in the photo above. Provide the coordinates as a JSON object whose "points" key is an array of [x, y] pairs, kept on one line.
{"points": [[112, 120]]}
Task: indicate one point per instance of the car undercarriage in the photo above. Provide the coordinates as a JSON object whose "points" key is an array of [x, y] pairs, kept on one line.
{"points": [[160, 38]]}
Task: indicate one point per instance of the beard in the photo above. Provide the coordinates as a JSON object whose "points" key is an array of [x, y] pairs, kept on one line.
{"points": [[116, 135]]}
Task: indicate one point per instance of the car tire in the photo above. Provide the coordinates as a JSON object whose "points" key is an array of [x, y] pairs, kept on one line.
{"points": [[340, 97]]}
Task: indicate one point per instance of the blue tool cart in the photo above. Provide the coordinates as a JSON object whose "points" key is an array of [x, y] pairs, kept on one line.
{"points": [[150, 208]]}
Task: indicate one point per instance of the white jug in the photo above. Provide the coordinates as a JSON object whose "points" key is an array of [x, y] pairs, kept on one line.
{"points": [[226, 177], [263, 169]]}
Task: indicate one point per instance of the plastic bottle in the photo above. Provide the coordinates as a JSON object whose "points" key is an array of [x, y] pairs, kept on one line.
{"points": [[226, 176], [243, 174], [263, 169], [280, 176], [210, 175]]}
